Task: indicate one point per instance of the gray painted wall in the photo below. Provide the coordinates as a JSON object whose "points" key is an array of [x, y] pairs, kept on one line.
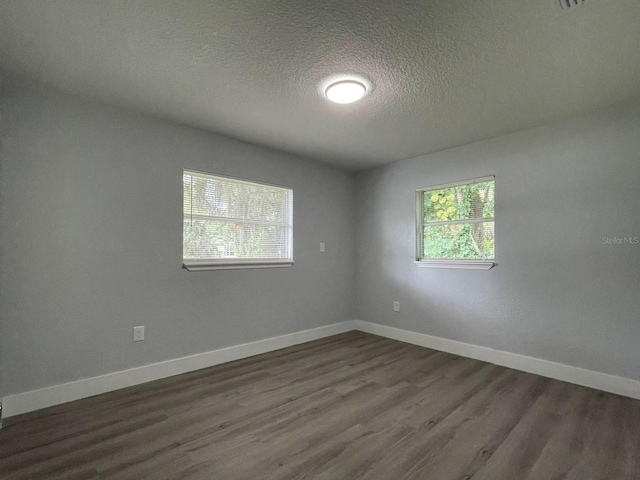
{"points": [[91, 243], [558, 293]]}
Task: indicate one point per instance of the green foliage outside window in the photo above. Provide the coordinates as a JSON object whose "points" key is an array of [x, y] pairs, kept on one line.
{"points": [[458, 222]]}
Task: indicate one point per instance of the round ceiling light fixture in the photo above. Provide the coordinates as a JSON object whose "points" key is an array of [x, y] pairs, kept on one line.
{"points": [[345, 91]]}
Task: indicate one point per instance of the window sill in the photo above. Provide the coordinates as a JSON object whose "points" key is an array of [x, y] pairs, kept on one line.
{"points": [[457, 264], [196, 266]]}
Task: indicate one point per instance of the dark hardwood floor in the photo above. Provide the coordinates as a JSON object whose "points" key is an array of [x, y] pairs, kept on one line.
{"points": [[353, 406]]}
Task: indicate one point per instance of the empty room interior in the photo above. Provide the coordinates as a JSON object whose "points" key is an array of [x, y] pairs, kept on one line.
{"points": [[320, 240]]}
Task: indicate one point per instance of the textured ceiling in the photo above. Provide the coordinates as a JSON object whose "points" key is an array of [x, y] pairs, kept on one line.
{"points": [[442, 72]]}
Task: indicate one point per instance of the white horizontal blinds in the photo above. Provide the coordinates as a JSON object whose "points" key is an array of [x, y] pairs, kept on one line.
{"points": [[230, 220], [458, 221]]}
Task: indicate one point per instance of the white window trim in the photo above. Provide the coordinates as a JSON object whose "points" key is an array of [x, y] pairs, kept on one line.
{"points": [[446, 263], [197, 265], [201, 265], [457, 264]]}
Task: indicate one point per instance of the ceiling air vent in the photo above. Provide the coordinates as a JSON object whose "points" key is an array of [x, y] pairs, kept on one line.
{"points": [[569, 3]]}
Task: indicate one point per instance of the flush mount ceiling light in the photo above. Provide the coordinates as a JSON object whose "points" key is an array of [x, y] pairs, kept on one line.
{"points": [[345, 91]]}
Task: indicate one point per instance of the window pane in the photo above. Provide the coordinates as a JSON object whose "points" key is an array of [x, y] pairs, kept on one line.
{"points": [[459, 241], [227, 219], [462, 202], [234, 199], [210, 239]]}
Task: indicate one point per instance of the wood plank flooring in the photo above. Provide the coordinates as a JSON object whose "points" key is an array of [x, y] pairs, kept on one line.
{"points": [[353, 406]]}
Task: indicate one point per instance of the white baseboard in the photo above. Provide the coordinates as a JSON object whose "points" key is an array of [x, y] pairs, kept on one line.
{"points": [[567, 373], [46, 397]]}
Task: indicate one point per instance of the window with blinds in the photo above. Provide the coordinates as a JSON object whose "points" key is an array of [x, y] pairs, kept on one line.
{"points": [[456, 223], [233, 223]]}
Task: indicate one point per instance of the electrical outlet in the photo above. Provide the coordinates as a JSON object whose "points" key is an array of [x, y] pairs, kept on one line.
{"points": [[396, 306], [321, 247], [138, 334]]}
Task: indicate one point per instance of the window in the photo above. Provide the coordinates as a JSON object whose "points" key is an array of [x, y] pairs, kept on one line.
{"points": [[456, 225], [232, 223]]}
